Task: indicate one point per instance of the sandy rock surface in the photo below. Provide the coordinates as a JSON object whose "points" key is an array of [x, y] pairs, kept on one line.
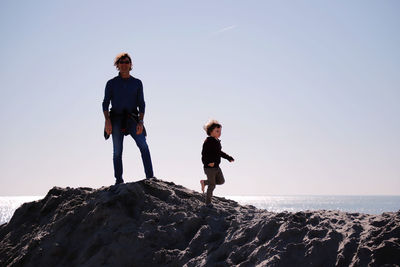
{"points": [[157, 223]]}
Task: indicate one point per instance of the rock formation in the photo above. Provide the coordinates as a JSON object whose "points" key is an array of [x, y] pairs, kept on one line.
{"points": [[157, 223]]}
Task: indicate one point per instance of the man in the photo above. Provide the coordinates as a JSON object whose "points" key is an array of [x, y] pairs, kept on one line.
{"points": [[126, 116]]}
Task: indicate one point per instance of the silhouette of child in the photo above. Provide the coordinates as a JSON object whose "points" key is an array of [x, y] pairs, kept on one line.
{"points": [[211, 158]]}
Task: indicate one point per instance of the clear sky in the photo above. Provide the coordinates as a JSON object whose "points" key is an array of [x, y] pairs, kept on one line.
{"points": [[308, 93]]}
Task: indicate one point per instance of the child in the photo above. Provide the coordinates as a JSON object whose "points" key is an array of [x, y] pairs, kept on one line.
{"points": [[211, 157]]}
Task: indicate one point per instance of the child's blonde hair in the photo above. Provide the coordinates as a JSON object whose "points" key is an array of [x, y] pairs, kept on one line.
{"points": [[211, 125]]}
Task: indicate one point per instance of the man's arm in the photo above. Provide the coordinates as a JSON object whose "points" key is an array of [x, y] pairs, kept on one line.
{"points": [[106, 104], [106, 115], [142, 107], [108, 126], [141, 117], [140, 99], [107, 97], [139, 127]]}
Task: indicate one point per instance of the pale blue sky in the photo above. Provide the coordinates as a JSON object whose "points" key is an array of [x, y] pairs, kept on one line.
{"points": [[307, 91]]}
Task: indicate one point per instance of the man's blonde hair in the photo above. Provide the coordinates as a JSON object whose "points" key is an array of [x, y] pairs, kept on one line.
{"points": [[120, 56]]}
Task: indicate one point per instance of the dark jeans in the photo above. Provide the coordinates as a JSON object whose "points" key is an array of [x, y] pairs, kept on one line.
{"points": [[118, 139], [214, 176]]}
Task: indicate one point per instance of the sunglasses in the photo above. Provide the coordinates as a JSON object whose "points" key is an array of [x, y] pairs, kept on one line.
{"points": [[124, 62]]}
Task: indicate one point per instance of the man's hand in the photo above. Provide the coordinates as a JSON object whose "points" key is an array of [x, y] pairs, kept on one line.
{"points": [[108, 127], [139, 128], [211, 164]]}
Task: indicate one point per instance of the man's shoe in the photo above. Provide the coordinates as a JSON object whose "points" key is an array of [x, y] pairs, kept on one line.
{"points": [[119, 182]]}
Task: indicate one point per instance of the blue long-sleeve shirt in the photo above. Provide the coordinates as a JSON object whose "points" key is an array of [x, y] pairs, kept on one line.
{"points": [[124, 95]]}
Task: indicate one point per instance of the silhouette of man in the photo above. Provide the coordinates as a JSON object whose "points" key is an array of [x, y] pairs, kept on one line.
{"points": [[126, 116]]}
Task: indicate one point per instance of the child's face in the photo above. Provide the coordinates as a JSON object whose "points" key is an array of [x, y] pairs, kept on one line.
{"points": [[216, 133]]}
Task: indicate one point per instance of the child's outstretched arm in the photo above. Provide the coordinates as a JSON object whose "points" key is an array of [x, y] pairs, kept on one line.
{"points": [[226, 156]]}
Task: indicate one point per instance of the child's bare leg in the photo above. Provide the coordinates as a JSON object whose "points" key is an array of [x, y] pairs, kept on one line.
{"points": [[202, 185]]}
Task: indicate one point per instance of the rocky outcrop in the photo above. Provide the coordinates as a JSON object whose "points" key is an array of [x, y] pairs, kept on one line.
{"points": [[158, 223]]}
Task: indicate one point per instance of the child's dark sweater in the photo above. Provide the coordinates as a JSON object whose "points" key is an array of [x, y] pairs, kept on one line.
{"points": [[212, 152]]}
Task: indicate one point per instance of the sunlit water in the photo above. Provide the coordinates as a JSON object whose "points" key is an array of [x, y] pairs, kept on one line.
{"points": [[362, 204], [9, 204]]}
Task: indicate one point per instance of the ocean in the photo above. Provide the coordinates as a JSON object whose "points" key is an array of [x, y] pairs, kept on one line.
{"points": [[9, 204], [361, 204]]}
